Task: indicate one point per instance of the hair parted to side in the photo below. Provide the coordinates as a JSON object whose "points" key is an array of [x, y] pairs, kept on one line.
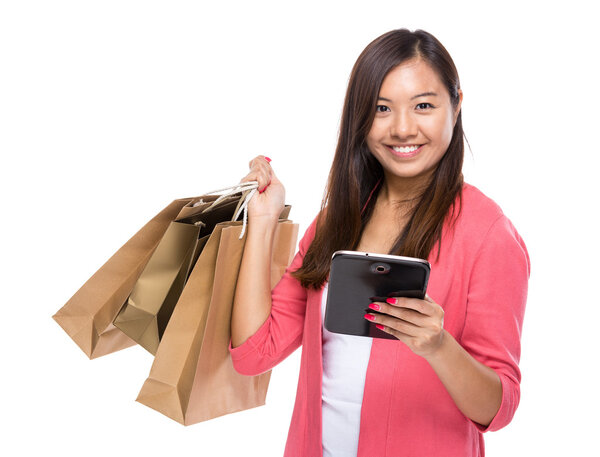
{"points": [[355, 171]]}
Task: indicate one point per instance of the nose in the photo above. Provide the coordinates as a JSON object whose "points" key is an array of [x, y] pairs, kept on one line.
{"points": [[403, 125]]}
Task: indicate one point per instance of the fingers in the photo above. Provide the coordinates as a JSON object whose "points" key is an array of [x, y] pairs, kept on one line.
{"points": [[267, 159], [388, 323], [417, 323], [426, 306], [260, 171], [408, 313], [405, 314]]}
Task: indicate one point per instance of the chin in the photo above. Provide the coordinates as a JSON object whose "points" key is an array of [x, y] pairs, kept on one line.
{"points": [[408, 172]]}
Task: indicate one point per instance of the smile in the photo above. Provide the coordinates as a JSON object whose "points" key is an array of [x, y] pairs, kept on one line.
{"points": [[405, 151]]}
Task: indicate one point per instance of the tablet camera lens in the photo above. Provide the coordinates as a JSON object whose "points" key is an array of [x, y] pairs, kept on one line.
{"points": [[380, 268]]}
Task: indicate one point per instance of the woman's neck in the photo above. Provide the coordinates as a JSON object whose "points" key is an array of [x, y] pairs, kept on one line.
{"points": [[401, 192]]}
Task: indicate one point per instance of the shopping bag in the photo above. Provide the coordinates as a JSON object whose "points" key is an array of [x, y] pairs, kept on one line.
{"points": [[147, 310], [192, 378], [88, 316]]}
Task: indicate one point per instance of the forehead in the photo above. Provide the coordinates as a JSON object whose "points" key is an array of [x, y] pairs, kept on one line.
{"points": [[409, 78]]}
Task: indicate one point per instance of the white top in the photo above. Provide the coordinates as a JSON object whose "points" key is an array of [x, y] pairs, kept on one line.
{"points": [[345, 360]]}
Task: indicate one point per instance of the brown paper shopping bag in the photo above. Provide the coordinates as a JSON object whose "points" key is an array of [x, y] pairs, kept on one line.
{"points": [[88, 316], [146, 313], [192, 378]]}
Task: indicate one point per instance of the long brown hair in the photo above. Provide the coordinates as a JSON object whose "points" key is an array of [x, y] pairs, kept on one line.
{"points": [[355, 172]]}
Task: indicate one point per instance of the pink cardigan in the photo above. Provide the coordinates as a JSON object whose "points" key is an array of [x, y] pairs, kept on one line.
{"points": [[481, 282]]}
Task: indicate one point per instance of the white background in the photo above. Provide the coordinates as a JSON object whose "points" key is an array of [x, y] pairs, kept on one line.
{"points": [[111, 109]]}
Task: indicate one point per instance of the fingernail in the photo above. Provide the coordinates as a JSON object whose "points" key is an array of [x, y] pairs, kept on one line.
{"points": [[391, 301], [379, 326], [369, 317], [375, 306], [260, 191], [267, 159]]}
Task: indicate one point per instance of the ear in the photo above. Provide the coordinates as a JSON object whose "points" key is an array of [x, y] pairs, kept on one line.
{"points": [[458, 106]]}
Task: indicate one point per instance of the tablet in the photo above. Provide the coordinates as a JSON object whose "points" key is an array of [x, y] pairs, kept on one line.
{"points": [[357, 279]]}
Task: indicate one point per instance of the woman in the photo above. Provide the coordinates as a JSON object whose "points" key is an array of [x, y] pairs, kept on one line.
{"points": [[396, 187]]}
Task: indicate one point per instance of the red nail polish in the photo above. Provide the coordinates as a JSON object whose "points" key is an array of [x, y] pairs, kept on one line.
{"points": [[375, 306], [369, 317], [392, 301], [260, 191], [267, 159], [379, 326]]}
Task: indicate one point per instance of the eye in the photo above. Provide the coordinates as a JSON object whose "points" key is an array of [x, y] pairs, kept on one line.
{"points": [[424, 105], [381, 108]]}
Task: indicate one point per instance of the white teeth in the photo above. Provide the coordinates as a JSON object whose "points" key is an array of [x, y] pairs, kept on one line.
{"points": [[406, 149]]}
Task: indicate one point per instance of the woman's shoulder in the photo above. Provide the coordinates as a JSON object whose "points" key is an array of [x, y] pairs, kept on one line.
{"points": [[484, 230], [482, 218], [478, 212], [475, 203]]}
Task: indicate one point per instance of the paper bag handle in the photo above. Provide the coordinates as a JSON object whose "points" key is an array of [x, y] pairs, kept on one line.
{"points": [[248, 190]]}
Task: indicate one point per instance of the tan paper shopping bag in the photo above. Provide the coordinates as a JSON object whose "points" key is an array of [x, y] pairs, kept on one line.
{"points": [[146, 313], [192, 378], [88, 316]]}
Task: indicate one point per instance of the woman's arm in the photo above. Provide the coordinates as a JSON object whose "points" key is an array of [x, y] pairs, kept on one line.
{"points": [[252, 301], [475, 388], [282, 331], [480, 373]]}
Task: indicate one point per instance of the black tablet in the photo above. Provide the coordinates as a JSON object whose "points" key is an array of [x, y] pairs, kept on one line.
{"points": [[357, 279]]}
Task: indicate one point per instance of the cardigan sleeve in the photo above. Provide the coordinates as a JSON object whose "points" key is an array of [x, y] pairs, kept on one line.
{"points": [[495, 309], [281, 334]]}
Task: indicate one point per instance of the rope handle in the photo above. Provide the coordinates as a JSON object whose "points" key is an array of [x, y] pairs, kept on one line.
{"points": [[248, 189]]}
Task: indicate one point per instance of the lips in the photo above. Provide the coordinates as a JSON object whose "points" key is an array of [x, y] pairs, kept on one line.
{"points": [[405, 151]]}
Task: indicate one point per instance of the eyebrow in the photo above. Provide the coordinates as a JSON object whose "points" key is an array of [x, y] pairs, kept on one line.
{"points": [[424, 94]]}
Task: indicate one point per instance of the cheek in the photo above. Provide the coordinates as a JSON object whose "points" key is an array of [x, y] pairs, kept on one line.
{"points": [[376, 131], [374, 136], [440, 129]]}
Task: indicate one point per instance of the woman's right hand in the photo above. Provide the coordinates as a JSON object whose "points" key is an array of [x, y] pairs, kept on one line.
{"points": [[269, 200]]}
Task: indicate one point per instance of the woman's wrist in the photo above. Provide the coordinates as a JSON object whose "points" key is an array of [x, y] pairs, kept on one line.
{"points": [[438, 354], [263, 222], [262, 228]]}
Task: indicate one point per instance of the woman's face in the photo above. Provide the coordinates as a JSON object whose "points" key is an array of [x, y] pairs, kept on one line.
{"points": [[414, 121]]}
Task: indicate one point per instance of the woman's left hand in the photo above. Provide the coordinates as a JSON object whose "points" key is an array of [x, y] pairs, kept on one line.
{"points": [[417, 323]]}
